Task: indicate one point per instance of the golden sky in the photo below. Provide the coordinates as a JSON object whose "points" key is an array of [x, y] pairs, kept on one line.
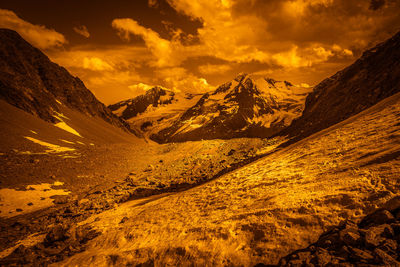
{"points": [[121, 48]]}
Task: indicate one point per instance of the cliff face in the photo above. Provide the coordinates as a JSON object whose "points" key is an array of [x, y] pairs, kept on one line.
{"points": [[31, 82], [373, 77]]}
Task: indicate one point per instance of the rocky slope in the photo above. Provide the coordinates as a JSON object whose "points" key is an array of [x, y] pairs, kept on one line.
{"points": [[244, 107], [31, 82], [155, 109], [374, 241], [373, 77]]}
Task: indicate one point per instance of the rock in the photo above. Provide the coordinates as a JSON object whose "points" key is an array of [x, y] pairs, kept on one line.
{"points": [[360, 255], [34, 160], [30, 204], [375, 235], [124, 219], [230, 153], [57, 233], [305, 257], [149, 168], [322, 257], [393, 204], [60, 199], [376, 218], [389, 246], [396, 228], [350, 238], [385, 258], [18, 210]]}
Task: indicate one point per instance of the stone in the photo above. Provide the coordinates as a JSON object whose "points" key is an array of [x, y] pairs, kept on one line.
{"points": [[124, 219], [396, 228], [360, 255], [57, 233], [376, 218], [375, 235], [392, 204], [61, 199], [385, 258], [322, 257], [389, 246], [350, 238]]}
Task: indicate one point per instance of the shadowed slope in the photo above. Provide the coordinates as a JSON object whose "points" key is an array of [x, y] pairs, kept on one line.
{"points": [[31, 82], [373, 77]]}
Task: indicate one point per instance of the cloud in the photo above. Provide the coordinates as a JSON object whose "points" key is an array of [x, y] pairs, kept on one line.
{"points": [[108, 71], [179, 79], [82, 30], [376, 4], [214, 68], [165, 52], [302, 30], [37, 35], [140, 87], [95, 63]]}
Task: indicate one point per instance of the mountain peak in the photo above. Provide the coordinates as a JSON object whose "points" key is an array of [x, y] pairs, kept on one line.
{"points": [[240, 76]]}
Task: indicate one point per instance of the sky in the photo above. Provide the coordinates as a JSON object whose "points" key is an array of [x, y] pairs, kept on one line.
{"points": [[121, 48]]}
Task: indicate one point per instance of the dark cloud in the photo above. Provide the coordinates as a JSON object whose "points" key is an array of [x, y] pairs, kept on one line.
{"points": [[187, 43], [376, 4]]}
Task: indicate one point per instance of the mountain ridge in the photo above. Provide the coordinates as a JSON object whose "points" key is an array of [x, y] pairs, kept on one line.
{"points": [[370, 79], [242, 107], [29, 80]]}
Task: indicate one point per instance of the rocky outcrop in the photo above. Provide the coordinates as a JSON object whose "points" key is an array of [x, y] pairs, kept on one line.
{"points": [[373, 241], [31, 82], [373, 77], [240, 108]]}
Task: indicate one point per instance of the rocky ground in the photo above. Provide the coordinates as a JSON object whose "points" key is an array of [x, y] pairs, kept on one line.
{"points": [[262, 211], [120, 177], [375, 240]]}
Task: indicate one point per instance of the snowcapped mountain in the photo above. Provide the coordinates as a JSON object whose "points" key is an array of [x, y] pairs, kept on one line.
{"points": [[155, 109], [243, 107]]}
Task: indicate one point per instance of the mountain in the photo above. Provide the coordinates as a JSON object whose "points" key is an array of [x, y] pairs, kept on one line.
{"points": [[155, 109], [243, 107], [373, 77], [31, 82]]}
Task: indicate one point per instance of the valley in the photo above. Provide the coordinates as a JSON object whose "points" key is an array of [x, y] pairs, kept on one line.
{"points": [[255, 172]]}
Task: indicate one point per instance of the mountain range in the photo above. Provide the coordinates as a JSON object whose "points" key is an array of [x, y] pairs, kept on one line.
{"points": [[244, 107]]}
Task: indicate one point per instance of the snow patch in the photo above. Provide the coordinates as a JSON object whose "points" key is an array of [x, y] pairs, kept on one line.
{"points": [[66, 141], [120, 110], [64, 126], [51, 147], [34, 197]]}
